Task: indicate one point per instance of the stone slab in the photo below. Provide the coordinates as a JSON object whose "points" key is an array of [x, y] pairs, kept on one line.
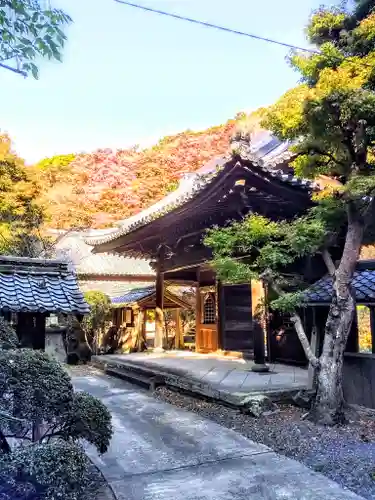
{"points": [[150, 435], [263, 477], [230, 381], [235, 379]]}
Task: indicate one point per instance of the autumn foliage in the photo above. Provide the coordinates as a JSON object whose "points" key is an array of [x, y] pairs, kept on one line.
{"points": [[99, 188]]}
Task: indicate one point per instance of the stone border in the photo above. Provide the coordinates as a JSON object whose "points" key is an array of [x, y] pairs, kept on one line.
{"points": [[175, 378]]}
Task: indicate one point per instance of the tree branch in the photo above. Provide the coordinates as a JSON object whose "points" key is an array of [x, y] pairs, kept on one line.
{"points": [[350, 255], [313, 360], [15, 70], [328, 155], [328, 262]]}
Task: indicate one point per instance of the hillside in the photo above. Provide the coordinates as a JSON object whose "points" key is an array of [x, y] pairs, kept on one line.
{"points": [[102, 187]]}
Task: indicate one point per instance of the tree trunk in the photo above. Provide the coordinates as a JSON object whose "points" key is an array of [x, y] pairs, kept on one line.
{"points": [[328, 407]]}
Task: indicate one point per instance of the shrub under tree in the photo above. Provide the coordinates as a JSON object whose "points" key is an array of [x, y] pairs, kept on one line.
{"points": [[40, 410]]}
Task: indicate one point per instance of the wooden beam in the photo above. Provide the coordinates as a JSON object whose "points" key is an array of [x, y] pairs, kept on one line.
{"points": [[179, 339], [372, 323], [117, 277], [159, 344], [220, 317], [258, 314], [197, 316], [140, 339]]}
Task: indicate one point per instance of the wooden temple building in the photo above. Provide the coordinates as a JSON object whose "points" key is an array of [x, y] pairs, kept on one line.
{"points": [[256, 178]]}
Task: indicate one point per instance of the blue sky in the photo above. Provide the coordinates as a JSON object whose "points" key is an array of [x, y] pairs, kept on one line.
{"points": [[129, 77]]}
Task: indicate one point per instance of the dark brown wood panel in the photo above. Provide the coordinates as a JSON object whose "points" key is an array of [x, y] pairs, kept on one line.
{"points": [[359, 379], [237, 326]]}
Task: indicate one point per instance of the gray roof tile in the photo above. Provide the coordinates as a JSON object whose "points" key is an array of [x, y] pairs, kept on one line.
{"points": [[36, 285], [363, 283], [134, 295], [72, 247]]}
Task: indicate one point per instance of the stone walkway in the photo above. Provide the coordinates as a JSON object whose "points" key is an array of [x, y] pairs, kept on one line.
{"points": [[224, 378], [159, 452]]}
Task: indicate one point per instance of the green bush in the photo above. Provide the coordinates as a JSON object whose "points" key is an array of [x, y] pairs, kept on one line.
{"points": [[8, 336], [90, 420], [40, 410], [53, 471], [100, 314]]}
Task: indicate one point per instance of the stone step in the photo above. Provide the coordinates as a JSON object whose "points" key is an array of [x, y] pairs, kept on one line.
{"points": [[131, 373]]}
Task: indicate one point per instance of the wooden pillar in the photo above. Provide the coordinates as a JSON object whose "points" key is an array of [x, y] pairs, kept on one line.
{"points": [[140, 329], [160, 343], [372, 323], [220, 317], [259, 332], [198, 314], [179, 338]]}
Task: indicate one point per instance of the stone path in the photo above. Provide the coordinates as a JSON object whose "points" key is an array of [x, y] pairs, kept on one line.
{"points": [[159, 452], [223, 378]]}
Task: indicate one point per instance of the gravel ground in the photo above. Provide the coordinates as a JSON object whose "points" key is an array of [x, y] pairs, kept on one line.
{"points": [[345, 454]]}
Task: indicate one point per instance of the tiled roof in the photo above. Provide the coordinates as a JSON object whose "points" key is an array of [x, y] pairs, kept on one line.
{"points": [[72, 247], [266, 152], [363, 283], [112, 288], [134, 295], [36, 285]]}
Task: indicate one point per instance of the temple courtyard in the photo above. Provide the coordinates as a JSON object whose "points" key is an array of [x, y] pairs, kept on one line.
{"points": [[160, 452]]}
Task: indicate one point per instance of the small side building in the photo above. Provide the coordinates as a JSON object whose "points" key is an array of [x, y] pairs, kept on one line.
{"points": [[33, 289], [132, 313], [359, 359]]}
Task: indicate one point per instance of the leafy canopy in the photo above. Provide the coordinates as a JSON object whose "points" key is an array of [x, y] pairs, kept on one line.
{"points": [[48, 472], [100, 309], [35, 391], [21, 213], [30, 29], [330, 120]]}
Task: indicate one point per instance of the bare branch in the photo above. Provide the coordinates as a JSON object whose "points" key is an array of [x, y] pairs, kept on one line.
{"points": [[328, 262], [15, 70], [296, 319]]}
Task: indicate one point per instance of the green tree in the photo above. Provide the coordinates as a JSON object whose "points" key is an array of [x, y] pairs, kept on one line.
{"points": [[330, 118], [55, 170], [30, 29], [21, 213], [100, 314]]}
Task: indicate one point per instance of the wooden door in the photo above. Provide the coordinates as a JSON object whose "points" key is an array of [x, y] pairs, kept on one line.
{"points": [[207, 339], [236, 321]]}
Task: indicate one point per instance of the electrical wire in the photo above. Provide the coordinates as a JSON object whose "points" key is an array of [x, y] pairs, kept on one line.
{"points": [[216, 26]]}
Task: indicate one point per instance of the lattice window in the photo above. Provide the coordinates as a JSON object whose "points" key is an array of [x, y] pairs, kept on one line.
{"points": [[209, 309]]}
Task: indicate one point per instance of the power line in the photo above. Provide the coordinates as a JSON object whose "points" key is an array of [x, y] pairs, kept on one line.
{"points": [[216, 26]]}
